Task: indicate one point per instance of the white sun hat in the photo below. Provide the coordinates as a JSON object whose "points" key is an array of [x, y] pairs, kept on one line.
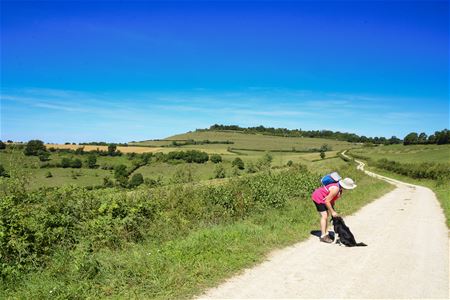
{"points": [[347, 183]]}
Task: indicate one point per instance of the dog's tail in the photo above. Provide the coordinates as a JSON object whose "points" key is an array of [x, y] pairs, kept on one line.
{"points": [[361, 245]]}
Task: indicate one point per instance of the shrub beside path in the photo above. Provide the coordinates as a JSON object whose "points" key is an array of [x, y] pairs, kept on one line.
{"points": [[407, 256]]}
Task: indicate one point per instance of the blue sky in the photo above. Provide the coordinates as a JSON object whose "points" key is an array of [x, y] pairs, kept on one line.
{"points": [[121, 71]]}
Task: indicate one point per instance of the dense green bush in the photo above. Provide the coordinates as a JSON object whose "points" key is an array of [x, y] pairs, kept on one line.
{"points": [[423, 170], [189, 156], [215, 158], [34, 147], [136, 180], [239, 163]]}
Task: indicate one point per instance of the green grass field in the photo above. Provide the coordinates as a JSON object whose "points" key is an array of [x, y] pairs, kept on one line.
{"points": [[408, 154], [165, 171], [250, 141]]}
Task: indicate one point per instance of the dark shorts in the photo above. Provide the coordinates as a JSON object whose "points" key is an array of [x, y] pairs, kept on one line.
{"points": [[322, 207]]}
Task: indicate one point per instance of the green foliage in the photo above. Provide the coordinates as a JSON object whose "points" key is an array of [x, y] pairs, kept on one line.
{"points": [[264, 162], [107, 182], [183, 174], [76, 163], [33, 147], [411, 139], [322, 154], [3, 172], [215, 158], [290, 163], [325, 147], [120, 171], [219, 171], [251, 168], [136, 180], [439, 137], [189, 156], [48, 174], [43, 155], [91, 161], [112, 149], [239, 163], [423, 170], [2, 145], [66, 162]]}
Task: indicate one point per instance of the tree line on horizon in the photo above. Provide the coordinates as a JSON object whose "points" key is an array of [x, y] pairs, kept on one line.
{"points": [[439, 137]]}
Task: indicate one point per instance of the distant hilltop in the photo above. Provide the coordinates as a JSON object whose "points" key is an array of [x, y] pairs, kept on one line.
{"points": [[439, 137]]}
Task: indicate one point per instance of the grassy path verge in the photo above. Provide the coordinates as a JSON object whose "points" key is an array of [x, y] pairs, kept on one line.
{"points": [[439, 188]]}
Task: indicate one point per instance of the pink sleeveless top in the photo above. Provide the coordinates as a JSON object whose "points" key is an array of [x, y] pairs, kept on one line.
{"points": [[320, 193]]}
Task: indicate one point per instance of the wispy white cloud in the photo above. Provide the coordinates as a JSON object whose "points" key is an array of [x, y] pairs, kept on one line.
{"points": [[143, 115]]}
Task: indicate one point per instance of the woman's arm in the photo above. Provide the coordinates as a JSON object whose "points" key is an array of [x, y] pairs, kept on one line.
{"points": [[333, 192]]}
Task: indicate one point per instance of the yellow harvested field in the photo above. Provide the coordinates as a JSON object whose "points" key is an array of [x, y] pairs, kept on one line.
{"points": [[122, 149]]}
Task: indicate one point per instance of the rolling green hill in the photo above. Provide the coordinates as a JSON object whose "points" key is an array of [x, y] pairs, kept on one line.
{"points": [[248, 141]]}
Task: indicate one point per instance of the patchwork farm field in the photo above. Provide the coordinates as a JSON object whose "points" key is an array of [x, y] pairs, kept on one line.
{"points": [[408, 154], [252, 149]]}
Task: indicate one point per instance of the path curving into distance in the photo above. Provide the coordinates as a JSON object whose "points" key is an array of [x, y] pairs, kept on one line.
{"points": [[407, 256]]}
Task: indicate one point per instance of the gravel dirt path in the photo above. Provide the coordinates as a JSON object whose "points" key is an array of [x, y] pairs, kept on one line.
{"points": [[407, 256]]}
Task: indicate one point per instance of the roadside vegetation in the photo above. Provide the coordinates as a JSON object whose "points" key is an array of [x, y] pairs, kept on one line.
{"points": [[165, 242], [427, 165]]}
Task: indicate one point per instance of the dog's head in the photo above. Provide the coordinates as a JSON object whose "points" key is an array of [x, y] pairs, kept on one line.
{"points": [[337, 220]]}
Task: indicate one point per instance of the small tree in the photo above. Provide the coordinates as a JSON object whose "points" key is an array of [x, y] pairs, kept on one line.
{"points": [[112, 149], [239, 163], [107, 182], [33, 147], [290, 163], [76, 163], [215, 158], [264, 162], [91, 161], [322, 154], [251, 168], [235, 171], [66, 162], [219, 171], [48, 174], [120, 171], [136, 180], [411, 139], [44, 155]]}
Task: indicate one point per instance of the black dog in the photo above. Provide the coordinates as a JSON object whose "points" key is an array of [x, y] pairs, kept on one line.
{"points": [[343, 233]]}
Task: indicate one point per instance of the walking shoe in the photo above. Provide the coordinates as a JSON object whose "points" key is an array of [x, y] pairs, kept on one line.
{"points": [[326, 239]]}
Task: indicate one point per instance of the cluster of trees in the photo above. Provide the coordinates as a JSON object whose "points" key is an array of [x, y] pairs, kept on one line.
{"points": [[189, 156], [439, 137], [177, 143], [328, 134]]}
